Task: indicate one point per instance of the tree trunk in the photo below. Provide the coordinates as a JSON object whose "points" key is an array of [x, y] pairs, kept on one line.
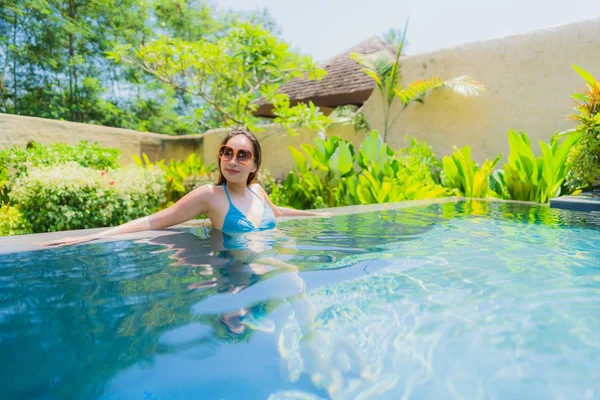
{"points": [[72, 70], [15, 81]]}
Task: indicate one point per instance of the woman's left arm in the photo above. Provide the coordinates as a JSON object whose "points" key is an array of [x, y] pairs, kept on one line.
{"points": [[288, 212]]}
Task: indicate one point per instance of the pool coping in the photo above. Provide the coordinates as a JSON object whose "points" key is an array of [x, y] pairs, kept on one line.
{"points": [[576, 203], [23, 243]]}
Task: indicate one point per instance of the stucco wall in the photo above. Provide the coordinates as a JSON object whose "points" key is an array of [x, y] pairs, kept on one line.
{"points": [[21, 130], [529, 83], [276, 157]]}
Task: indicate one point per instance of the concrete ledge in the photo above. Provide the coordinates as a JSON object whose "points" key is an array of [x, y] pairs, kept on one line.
{"points": [[577, 203], [14, 244]]}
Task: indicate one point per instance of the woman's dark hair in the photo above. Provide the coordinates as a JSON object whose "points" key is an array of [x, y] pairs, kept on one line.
{"points": [[256, 150]]}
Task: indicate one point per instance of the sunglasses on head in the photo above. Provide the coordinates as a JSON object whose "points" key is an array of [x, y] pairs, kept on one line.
{"points": [[244, 156]]}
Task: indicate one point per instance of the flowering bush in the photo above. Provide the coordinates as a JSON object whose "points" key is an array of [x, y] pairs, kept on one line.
{"points": [[12, 221], [69, 196], [139, 192]]}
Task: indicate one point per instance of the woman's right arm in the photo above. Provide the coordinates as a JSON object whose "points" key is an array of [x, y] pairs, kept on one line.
{"points": [[188, 207]]}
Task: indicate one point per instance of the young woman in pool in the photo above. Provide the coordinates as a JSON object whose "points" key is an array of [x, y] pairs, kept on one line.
{"points": [[236, 204]]}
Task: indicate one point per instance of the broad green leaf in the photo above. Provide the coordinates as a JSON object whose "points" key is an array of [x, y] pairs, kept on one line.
{"points": [[341, 161], [585, 75], [299, 159]]}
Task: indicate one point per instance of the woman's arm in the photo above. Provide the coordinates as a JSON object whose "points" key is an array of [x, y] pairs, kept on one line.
{"points": [[190, 206], [288, 212]]}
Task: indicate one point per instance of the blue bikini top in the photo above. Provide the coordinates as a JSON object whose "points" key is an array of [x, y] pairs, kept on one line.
{"points": [[237, 222]]}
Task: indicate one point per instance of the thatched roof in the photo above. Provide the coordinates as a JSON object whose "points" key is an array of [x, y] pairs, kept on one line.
{"points": [[344, 84]]}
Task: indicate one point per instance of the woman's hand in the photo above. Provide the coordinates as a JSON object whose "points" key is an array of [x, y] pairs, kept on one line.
{"points": [[68, 241]]}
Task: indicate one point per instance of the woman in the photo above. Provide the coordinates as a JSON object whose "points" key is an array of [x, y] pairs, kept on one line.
{"points": [[236, 204]]}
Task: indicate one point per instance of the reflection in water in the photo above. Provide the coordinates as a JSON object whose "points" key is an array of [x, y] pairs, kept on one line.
{"points": [[379, 305], [227, 266]]}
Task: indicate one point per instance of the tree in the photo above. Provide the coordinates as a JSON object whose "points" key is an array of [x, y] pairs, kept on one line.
{"points": [[54, 54], [393, 37], [228, 75], [53, 62]]}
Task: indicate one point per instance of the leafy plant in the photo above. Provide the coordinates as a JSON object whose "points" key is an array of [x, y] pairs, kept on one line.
{"points": [[15, 161], [419, 152], [529, 178], [325, 174], [318, 172], [388, 177], [464, 177], [4, 185], [584, 156], [227, 75], [69, 196], [12, 221], [19, 159], [385, 69]]}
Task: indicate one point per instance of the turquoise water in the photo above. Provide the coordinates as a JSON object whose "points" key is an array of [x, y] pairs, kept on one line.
{"points": [[465, 300]]}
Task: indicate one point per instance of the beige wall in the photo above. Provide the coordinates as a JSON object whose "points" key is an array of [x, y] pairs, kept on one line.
{"points": [[529, 82], [21, 130]]}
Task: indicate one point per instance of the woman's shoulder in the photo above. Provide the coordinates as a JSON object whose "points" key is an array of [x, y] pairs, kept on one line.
{"points": [[258, 189], [208, 190]]}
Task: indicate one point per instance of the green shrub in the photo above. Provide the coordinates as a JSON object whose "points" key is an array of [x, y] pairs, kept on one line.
{"points": [[465, 177], [12, 221], [584, 157], [330, 174], [4, 185], [420, 155], [18, 159], [70, 196], [386, 176], [138, 191], [529, 178]]}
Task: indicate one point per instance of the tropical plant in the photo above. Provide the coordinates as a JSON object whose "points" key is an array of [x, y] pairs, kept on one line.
{"points": [[529, 178], [228, 75], [326, 174], [584, 156], [464, 177], [385, 69], [318, 173]]}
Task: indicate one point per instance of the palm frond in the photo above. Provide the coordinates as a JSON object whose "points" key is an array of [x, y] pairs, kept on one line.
{"points": [[465, 85], [417, 90], [377, 65]]}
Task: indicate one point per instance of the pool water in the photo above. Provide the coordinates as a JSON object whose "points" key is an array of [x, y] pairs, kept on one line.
{"points": [[460, 300]]}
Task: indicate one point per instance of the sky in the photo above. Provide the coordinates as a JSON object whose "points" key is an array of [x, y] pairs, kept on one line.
{"points": [[325, 28]]}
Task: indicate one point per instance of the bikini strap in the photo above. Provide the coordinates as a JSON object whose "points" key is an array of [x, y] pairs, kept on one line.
{"points": [[227, 193], [260, 198]]}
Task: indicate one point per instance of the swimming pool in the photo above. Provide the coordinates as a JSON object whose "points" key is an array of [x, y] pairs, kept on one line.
{"points": [[452, 299]]}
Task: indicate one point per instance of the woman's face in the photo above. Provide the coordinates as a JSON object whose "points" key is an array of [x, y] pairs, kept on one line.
{"points": [[237, 159]]}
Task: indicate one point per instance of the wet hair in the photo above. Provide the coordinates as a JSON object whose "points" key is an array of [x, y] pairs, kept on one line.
{"points": [[256, 151]]}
